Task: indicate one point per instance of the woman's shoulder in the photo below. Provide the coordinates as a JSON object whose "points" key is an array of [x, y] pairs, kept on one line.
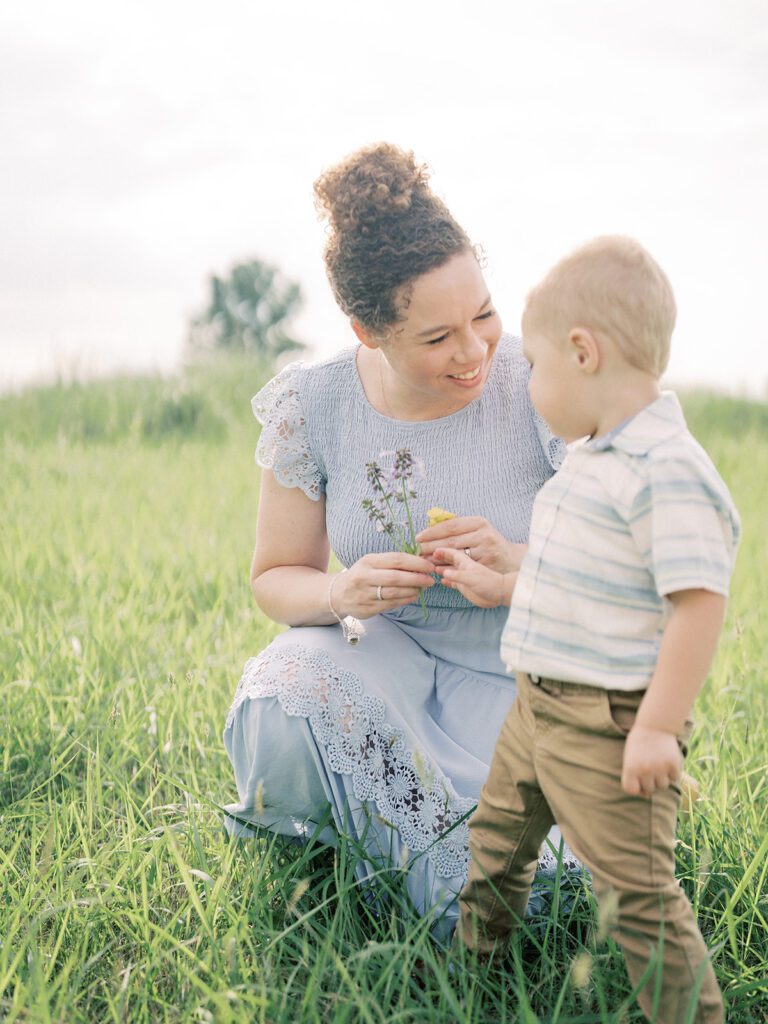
{"points": [[336, 367], [292, 408], [510, 370], [510, 359], [298, 383]]}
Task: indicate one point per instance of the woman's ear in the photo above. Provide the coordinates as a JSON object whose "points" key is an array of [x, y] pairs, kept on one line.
{"points": [[584, 348], [364, 336]]}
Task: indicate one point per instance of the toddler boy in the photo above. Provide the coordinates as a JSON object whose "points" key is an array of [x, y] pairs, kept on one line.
{"points": [[614, 619]]}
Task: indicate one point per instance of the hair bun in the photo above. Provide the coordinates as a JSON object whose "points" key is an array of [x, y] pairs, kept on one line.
{"points": [[386, 229], [372, 183]]}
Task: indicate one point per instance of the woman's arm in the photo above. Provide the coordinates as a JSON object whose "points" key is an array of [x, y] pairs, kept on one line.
{"points": [[288, 569], [289, 576]]}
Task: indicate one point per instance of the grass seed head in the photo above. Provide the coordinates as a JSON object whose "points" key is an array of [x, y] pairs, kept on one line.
{"points": [[301, 887], [258, 800], [581, 969], [607, 914]]}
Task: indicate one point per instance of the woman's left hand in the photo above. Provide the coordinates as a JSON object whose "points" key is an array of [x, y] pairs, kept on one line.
{"points": [[476, 537]]}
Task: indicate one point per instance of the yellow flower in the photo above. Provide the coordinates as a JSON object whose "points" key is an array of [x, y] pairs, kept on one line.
{"points": [[438, 515]]}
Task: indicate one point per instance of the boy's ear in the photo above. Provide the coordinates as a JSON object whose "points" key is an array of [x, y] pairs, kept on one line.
{"points": [[364, 336], [584, 349]]}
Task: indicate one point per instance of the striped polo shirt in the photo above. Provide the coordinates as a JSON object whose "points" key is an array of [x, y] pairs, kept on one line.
{"points": [[629, 518]]}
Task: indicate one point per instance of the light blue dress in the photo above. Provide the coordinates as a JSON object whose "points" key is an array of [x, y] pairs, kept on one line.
{"points": [[393, 736]]}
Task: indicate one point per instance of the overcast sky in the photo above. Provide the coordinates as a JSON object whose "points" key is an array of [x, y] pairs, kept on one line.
{"points": [[147, 144]]}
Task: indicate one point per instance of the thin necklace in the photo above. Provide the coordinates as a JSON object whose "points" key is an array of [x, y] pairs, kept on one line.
{"points": [[384, 401]]}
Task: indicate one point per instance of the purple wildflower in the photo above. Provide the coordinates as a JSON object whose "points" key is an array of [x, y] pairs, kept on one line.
{"points": [[392, 478]]}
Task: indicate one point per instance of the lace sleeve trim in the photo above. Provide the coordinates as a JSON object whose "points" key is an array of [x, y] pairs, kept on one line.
{"points": [[284, 445]]}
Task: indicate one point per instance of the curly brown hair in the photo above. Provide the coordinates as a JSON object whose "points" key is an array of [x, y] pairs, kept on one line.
{"points": [[387, 228]]}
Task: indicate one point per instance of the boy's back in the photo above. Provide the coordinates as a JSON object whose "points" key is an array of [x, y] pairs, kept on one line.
{"points": [[629, 518]]}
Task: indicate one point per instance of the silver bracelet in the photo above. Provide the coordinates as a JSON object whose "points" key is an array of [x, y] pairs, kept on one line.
{"points": [[352, 629]]}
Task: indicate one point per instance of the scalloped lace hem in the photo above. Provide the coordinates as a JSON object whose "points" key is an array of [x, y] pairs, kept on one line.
{"points": [[411, 795]]}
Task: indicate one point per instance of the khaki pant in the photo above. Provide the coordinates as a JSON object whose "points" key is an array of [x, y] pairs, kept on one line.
{"points": [[558, 759]]}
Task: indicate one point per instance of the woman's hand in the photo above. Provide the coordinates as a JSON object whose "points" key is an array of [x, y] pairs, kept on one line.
{"points": [[484, 587], [400, 577], [476, 535]]}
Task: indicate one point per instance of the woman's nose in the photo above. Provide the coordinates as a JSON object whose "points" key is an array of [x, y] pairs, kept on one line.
{"points": [[471, 347]]}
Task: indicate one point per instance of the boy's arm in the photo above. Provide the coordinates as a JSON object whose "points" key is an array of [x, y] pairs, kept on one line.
{"points": [[652, 757]]}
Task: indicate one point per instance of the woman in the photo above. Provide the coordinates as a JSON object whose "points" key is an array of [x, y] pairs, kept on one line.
{"points": [[391, 736]]}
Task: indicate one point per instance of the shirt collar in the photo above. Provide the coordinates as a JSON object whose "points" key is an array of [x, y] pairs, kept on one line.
{"points": [[657, 422]]}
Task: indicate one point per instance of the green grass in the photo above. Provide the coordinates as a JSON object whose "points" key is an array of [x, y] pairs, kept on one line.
{"points": [[128, 513]]}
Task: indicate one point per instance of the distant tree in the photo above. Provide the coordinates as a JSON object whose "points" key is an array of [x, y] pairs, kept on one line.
{"points": [[248, 311]]}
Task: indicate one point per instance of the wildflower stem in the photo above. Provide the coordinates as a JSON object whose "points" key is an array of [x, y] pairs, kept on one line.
{"points": [[404, 541], [414, 546], [404, 535]]}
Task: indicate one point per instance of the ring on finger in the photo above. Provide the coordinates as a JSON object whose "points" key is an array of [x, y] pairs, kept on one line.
{"points": [[468, 552], [378, 594]]}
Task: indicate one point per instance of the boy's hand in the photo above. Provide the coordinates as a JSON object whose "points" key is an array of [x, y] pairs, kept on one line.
{"points": [[652, 760], [484, 587]]}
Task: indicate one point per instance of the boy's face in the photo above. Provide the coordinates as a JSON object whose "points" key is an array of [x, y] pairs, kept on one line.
{"points": [[558, 387]]}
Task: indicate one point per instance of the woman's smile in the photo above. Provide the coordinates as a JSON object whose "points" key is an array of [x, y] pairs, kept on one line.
{"points": [[468, 378]]}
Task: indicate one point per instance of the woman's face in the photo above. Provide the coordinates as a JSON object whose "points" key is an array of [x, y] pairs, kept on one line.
{"points": [[439, 355]]}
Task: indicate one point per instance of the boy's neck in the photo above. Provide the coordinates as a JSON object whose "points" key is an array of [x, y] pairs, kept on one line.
{"points": [[624, 396]]}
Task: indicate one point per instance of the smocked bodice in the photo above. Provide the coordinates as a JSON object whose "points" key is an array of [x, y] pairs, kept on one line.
{"points": [[490, 458]]}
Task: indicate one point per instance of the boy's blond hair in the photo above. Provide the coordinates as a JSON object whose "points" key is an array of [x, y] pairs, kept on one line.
{"points": [[611, 286]]}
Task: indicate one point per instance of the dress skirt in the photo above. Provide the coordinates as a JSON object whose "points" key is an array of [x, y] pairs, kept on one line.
{"points": [[391, 738]]}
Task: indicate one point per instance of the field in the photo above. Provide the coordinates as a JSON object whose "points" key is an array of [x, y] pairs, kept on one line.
{"points": [[128, 511]]}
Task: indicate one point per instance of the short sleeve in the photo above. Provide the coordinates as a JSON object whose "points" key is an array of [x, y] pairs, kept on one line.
{"points": [[686, 527], [284, 444], [553, 447]]}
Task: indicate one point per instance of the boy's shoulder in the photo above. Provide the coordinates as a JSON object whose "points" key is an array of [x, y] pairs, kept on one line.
{"points": [[649, 433], [681, 469], [663, 446], [655, 455]]}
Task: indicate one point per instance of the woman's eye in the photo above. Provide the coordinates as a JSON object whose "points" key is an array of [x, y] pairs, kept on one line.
{"points": [[483, 316]]}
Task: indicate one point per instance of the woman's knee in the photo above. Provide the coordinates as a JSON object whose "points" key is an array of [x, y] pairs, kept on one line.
{"points": [[275, 758]]}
